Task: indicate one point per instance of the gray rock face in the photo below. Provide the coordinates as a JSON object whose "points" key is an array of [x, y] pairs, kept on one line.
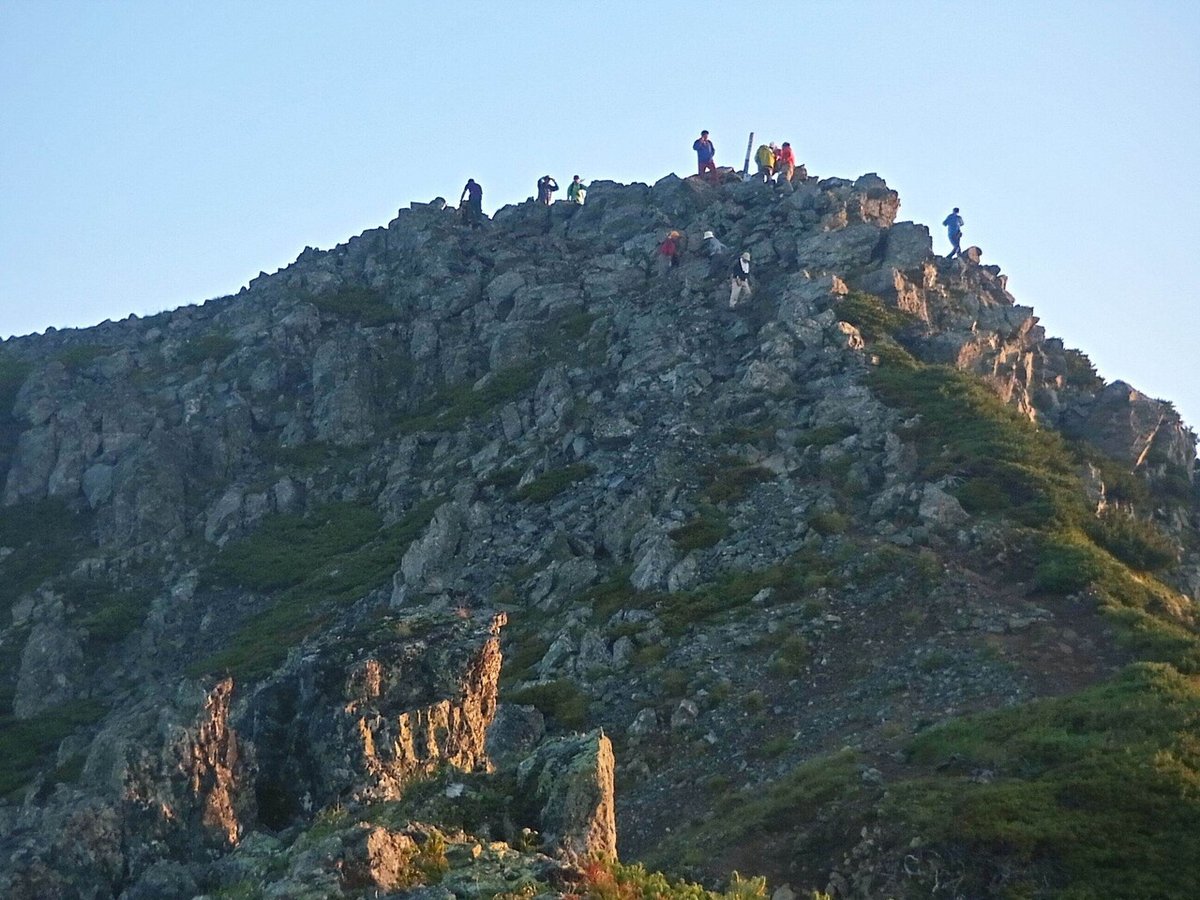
{"points": [[376, 720], [691, 512], [571, 781]]}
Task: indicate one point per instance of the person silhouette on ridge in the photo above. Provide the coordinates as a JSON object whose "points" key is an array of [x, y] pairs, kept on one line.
{"points": [[705, 155], [473, 211], [954, 224], [546, 186]]}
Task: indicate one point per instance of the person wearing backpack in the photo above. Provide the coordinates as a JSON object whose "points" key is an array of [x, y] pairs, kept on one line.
{"points": [[765, 157], [576, 192], [954, 224]]}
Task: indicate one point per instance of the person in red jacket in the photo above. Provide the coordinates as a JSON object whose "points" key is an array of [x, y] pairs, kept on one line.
{"points": [[785, 162], [669, 249]]}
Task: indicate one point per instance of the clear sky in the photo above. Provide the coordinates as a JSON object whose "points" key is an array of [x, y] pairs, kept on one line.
{"points": [[157, 153]]}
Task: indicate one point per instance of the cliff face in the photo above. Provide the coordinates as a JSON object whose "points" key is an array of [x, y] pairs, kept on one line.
{"points": [[257, 553]]}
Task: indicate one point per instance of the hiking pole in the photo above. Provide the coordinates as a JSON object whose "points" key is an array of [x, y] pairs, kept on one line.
{"points": [[746, 167]]}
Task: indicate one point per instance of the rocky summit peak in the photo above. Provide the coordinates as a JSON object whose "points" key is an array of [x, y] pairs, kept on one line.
{"points": [[449, 561]]}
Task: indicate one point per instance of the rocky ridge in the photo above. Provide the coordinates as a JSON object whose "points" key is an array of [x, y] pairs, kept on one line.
{"points": [[259, 552]]}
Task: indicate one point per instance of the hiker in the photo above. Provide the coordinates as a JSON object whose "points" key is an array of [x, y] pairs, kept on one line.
{"points": [[669, 249], [765, 157], [473, 210], [739, 282], [576, 192], [546, 186], [713, 247], [785, 162], [954, 224], [705, 154]]}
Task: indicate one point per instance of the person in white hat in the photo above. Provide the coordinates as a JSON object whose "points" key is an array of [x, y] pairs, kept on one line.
{"points": [[739, 282], [713, 247]]}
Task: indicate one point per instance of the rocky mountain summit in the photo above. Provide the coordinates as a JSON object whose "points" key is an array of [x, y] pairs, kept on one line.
{"points": [[449, 562]]}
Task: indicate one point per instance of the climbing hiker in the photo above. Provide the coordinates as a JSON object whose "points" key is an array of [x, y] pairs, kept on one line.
{"points": [[739, 282], [576, 192], [954, 224], [712, 247], [545, 187], [785, 162], [705, 155], [669, 249], [765, 157], [473, 210]]}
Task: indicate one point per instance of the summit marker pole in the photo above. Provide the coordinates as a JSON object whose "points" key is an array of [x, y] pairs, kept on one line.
{"points": [[746, 167]]}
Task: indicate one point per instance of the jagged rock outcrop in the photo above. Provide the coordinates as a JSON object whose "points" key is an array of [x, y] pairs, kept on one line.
{"points": [[726, 536], [570, 780], [341, 723]]}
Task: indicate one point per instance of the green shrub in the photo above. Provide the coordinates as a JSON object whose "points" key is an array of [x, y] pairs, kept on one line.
{"points": [[1066, 563], [26, 745], [791, 657], [611, 880], [1099, 788], [871, 316], [1136, 542], [552, 483], [365, 305], [706, 530], [308, 566], [829, 522], [731, 478], [80, 356], [46, 536], [215, 345], [561, 699]]}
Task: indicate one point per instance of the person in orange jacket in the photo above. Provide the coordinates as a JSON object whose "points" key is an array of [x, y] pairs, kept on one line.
{"points": [[785, 162]]}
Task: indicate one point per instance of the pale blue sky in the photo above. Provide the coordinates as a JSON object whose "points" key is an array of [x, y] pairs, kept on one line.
{"points": [[154, 154]]}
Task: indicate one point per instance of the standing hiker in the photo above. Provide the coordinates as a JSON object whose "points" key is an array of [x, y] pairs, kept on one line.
{"points": [[765, 157], [473, 210], [705, 154], [576, 192], [785, 162], [545, 187], [954, 224], [739, 281]]}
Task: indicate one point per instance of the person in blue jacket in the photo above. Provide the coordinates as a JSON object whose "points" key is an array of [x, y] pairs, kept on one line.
{"points": [[954, 224], [705, 154]]}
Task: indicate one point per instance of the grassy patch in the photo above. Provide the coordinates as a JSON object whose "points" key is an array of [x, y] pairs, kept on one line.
{"points": [[1102, 787], [552, 483], [308, 565], [872, 317], [790, 582], [562, 700], [214, 345], [706, 530], [806, 799], [451, 406], [364, 305], [45, 536], [28, 745], [611, 880], [81, 355], [731, 478], [107, 612]]}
